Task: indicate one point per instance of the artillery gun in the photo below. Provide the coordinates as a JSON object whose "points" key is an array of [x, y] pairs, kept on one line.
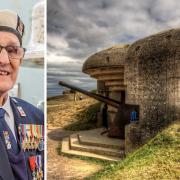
{"points": [[123, 115]]}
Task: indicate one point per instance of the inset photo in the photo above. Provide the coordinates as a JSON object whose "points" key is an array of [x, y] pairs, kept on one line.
{"points": [[22, 90], [113, 89]]}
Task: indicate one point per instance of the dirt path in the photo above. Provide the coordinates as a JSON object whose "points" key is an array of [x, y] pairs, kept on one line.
{"points": [[63, 111], [63, 168]]}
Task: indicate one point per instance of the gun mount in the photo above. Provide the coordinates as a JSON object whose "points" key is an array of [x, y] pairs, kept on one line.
{"points": [[123, 114]]}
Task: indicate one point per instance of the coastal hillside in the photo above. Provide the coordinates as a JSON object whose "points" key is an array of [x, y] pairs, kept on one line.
{"points": [[65, 116], [159, 159], [66, 113]]}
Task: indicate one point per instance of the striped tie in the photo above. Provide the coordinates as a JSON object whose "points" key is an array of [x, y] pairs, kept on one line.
{"points": [[7, 134]]}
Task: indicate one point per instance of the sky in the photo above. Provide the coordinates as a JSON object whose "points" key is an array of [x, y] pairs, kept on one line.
{"points": [[79, 28]]}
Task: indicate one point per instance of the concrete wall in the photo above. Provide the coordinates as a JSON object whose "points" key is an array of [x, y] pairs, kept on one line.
{"points": [[152, 77]]}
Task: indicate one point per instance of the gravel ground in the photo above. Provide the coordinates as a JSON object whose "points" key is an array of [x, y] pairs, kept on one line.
{"points": [[62, 112], [64, 168]]}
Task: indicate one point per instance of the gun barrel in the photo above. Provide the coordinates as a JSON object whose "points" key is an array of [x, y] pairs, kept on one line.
{"points": [[98, 97]]}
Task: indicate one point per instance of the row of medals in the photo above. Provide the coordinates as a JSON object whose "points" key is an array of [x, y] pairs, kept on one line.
{"points": [[31, 136]]}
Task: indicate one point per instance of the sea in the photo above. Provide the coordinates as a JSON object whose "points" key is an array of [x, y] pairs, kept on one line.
{"points": [[76, 78]]}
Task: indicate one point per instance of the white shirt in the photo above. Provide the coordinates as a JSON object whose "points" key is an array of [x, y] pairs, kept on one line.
{"points": [[9, 117]]}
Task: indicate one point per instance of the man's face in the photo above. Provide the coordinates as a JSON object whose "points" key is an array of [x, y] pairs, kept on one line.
{"points": [[8, 67]]}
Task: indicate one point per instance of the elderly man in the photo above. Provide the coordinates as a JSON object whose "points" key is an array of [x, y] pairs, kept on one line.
{"points": [[21, 124]]}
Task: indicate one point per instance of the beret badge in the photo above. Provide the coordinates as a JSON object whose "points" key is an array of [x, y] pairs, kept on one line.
{"points": [[20, 27]]}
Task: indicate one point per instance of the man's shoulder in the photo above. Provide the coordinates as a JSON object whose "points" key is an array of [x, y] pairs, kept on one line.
{"points": [[30, 109], [24, 103]]}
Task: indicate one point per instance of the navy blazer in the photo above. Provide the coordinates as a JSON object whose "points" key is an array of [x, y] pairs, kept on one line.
{"points": [[33, 116], [5, 168]]}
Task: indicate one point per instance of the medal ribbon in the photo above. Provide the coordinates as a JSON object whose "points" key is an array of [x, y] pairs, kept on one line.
{"points": [[32, 163], [34, 131], [28, 130], [37, 130], [42, 131], [31, 131], [39, 162]]}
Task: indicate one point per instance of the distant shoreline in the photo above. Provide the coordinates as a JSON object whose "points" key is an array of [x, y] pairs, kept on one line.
{"points": [[54, 97]]}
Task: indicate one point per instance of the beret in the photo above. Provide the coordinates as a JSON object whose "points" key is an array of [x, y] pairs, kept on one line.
{"points": [[11, 22]]}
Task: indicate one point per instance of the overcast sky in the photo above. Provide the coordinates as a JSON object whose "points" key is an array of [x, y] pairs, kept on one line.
{"points": [[79, 28]]}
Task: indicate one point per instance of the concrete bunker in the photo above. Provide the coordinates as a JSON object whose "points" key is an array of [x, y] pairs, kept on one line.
{"points": [[145, 73], [152, 75], [108, 67]]}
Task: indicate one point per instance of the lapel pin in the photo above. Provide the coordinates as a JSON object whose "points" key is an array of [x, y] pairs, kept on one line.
{"points": [[21, 111], [7, 139]]}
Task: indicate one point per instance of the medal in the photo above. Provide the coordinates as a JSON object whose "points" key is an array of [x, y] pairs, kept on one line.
{"points": [[41, 145], [32, 163], [7, 139], [38, 133], [21, 134], [28, 131], [8, 145], [25, 137], [36, 136], [39, 167], [41, 138], [32, 137]]}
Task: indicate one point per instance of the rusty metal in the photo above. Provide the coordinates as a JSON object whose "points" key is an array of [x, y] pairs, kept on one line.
{"points": [[98, 97], [123, 114]]}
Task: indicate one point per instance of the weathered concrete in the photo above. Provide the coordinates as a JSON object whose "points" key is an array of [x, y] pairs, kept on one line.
{"points": [[107, 66], [152, 76], [113, 56], [91, 144], [148, 71]]}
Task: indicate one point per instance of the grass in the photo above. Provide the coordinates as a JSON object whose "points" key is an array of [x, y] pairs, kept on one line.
{"points": [[103, 163], [64, 112], [159, 159], [55, 99], [86, 119]]}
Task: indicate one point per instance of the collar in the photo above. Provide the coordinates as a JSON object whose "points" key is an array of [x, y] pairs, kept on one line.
{"points": [[7, 106]]}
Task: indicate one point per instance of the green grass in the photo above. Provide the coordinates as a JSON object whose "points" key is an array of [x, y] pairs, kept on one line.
{"points": [[159, 159], [86, 119], [94, 91], [103, 163]]}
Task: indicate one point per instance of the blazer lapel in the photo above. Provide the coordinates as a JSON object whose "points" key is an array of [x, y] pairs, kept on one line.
{"points": [[5, 167]]}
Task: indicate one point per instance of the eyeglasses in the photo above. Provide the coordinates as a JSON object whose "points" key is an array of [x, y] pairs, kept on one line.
{"points": [[14, 52]]}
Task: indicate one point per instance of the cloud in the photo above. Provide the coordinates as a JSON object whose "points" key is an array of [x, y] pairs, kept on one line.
{"points": [[66, 69], [79, 28]]}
